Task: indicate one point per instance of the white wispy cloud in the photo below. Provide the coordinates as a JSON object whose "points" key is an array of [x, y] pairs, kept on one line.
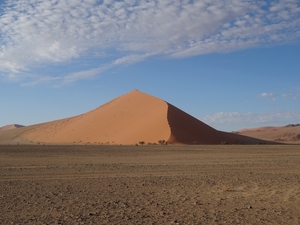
{"points": [[267, 95], [294, 93], [250, 118], [287, 95], [270, 96], [37, 33], [83, 74]]}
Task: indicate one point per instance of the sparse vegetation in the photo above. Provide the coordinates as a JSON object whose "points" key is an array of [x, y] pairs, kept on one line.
{"points": [[141, 142], [162, 142]]}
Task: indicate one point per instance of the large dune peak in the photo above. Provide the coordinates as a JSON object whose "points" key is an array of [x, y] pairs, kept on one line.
{"points": [[135, 117], [131, 118]]}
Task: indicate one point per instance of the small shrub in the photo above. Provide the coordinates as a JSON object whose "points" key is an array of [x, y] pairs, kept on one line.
{"points": [[161, 142]]}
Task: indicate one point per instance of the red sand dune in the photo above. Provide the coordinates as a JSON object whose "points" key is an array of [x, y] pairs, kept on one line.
{"points": [[129, 119]]}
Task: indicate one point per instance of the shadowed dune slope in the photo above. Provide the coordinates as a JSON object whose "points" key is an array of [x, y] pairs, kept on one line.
{"points": [[243, 139], [186, 129]]}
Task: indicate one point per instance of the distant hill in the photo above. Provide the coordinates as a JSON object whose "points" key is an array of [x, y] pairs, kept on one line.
{"points": [[293, 125], [133, 118], [284, 134], [10, 127]]}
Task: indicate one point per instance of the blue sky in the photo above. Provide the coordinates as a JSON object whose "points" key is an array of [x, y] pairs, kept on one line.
{"points": [[230, 63]]}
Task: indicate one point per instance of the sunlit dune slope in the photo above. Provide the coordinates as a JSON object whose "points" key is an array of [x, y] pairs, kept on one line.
{"points": [[128, 119]]}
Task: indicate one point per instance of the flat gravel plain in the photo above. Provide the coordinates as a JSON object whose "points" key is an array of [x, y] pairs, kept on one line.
{"points": [[219, 184]]}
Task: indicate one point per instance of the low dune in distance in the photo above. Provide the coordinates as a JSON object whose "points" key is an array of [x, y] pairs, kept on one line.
{"points": [[135, 117], [11, 127], [284, 134]]}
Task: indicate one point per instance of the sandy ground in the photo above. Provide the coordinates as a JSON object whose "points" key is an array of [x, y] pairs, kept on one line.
{"points": [[149, 184]]}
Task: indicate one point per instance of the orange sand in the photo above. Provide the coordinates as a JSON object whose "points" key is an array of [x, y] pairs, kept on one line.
{"points": [[128, 119]]}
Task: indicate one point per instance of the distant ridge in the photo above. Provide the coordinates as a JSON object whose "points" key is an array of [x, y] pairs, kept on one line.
{"points": [[10, 127], [284, 134], [133, 118], [293, 125]]}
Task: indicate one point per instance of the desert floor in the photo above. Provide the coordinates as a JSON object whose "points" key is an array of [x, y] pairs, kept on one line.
{"points": [[149, 184]]}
